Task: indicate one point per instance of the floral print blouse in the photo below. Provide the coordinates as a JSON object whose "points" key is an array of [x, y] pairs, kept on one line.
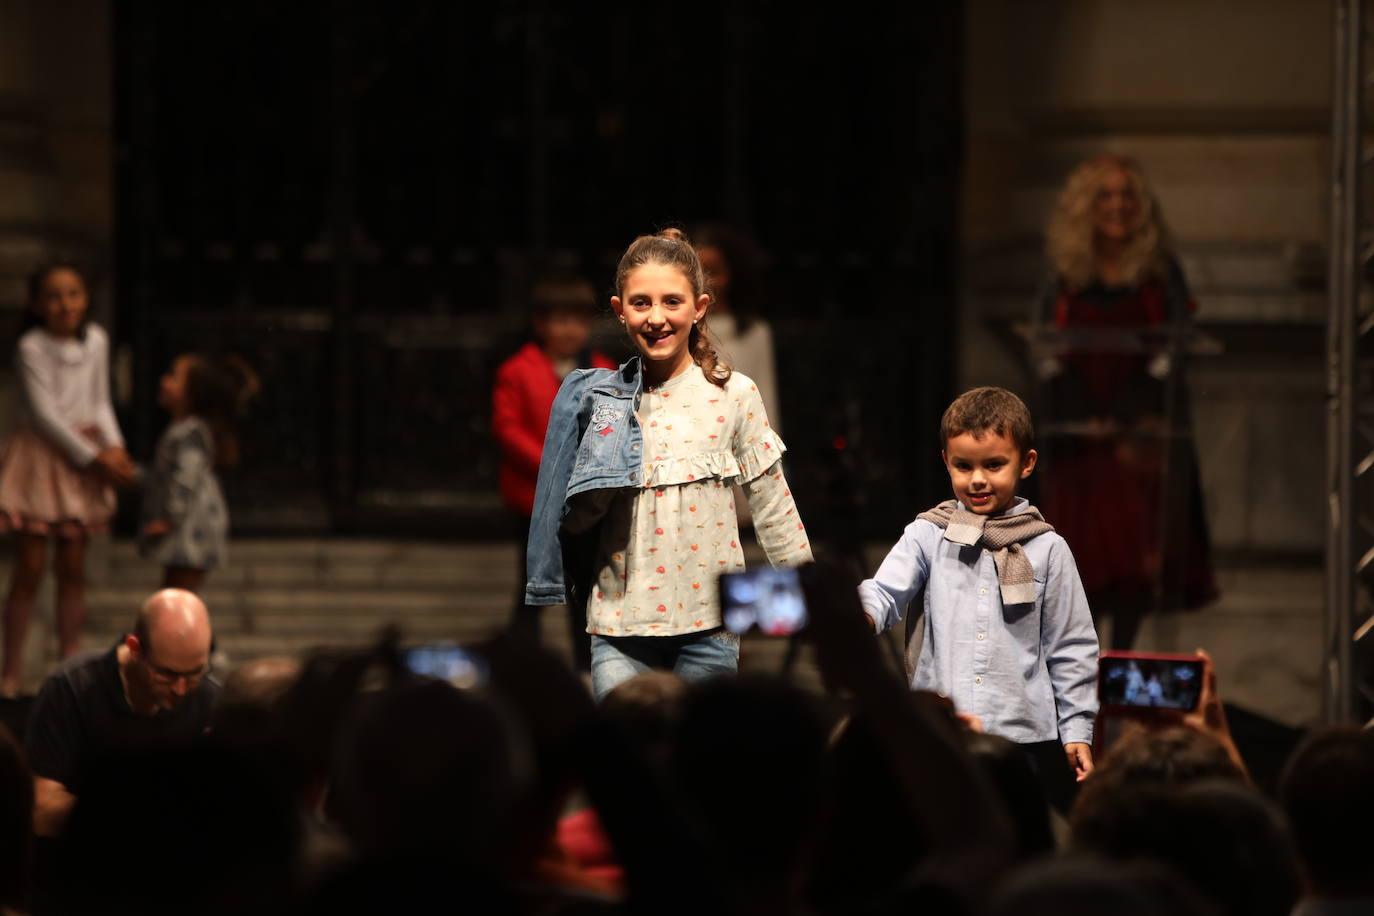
{"points": [[663, 546]]}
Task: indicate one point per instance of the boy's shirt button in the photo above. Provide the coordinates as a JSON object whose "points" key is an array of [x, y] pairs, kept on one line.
{"points": [[980, 635], [982, 591], [978, 680]]}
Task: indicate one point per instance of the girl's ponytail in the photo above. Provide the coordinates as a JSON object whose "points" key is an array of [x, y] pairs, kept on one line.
{"points": [[245, 380], [704, 354], [218, 392]]}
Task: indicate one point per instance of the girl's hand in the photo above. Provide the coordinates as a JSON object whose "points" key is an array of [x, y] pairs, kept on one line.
{"points": [[114, 465], [1080, 758], [157, 528]]}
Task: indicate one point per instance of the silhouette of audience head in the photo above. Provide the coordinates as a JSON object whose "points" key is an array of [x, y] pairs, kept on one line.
{"points": [[1019, 790], [248, 708], [16, 822], [432, 772], [750, 764], [187, 829], [1327, 791], [1223, 837], [1170, 756], [645, 709], [1083, 884]]}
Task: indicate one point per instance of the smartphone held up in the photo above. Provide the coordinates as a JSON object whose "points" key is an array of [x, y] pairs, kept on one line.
{"points": [[1136, 681], [769, 600], [463, 668]]}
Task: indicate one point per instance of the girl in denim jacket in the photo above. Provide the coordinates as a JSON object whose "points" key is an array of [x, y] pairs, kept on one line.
{"points": [[636, 483]]}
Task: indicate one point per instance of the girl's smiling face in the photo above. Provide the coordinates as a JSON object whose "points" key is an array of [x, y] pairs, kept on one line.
{"points": [[62, 302], [659, 307]]}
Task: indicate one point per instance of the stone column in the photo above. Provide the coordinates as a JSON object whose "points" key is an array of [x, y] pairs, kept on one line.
{"points": [[56, 167]]}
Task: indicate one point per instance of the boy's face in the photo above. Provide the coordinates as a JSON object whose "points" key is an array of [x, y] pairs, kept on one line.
{"points": [[984, 470], [563, 334]]}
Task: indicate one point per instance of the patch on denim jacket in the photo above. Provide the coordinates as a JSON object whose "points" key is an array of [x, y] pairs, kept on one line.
{"points": [[603, 417]]}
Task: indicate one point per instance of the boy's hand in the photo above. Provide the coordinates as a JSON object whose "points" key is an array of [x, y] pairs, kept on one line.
{"points": [[1080, 758]]}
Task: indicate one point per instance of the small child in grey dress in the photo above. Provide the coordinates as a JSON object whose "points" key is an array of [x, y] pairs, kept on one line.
{"points": [[186, 521]]}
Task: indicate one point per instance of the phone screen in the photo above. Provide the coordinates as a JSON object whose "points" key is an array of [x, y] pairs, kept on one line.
{"points": [[1144, 682], [460, 667], [769, 600]]}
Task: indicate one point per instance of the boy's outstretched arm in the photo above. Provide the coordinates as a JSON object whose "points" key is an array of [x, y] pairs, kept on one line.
{"points": [[902, 574], [1068, 644]]}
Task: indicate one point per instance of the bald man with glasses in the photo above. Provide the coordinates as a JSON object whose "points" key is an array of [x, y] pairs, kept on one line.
{"points": [[153, 688]]}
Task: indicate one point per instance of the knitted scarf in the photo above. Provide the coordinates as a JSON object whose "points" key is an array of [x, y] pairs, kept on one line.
{"points": [[1001, 534]]}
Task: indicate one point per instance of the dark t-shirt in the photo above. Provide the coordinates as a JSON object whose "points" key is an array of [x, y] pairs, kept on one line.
{"points": [[81, 717]]}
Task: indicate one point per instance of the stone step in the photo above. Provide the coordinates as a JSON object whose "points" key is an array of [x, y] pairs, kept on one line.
{"points": [[333, 550], [324, 627], [321, 602], [292, 575], [411, 564], [246, 644]]}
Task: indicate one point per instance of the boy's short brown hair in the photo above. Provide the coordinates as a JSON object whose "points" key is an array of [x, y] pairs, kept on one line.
{"points": [[985, 409], [562, 293]]}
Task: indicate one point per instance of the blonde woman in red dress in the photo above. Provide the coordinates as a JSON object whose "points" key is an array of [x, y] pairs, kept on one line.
{"points": [[1121, 483]]}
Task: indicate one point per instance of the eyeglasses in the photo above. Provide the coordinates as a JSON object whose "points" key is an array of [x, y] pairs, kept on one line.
{"points": [[169, 676]]}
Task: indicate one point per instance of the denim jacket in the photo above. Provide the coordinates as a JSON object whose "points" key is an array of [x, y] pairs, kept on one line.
{"points": [[593, 446]]}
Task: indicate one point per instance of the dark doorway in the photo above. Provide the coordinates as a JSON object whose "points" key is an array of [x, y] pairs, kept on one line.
{"points": [[356, 194]]}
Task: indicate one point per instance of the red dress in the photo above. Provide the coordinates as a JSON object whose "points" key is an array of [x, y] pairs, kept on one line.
{"points": [[526, 386], [1134, 530]]}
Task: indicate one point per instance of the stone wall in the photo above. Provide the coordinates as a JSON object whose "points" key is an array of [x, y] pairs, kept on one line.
{"points": [[1226, 105], [56, 152]]}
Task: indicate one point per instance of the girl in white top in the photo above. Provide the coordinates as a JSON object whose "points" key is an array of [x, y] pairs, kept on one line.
{"points": [[185, 518], [744, 335], [58, 469], [663, 546]]}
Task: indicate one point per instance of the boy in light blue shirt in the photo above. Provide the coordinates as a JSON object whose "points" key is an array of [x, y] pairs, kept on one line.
{"points": [[1007, 632]]}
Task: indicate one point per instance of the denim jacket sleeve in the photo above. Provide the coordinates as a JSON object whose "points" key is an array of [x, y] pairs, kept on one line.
{"points": [[543, 557]]}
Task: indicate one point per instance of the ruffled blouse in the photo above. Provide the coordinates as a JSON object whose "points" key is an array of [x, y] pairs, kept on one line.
{"points": [[662, 547]]}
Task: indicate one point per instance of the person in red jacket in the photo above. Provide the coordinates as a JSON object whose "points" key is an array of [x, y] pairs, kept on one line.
{"points": [[563, 308]]}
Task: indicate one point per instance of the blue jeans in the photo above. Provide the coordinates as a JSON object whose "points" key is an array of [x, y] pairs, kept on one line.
{"points": [[691, 656]]}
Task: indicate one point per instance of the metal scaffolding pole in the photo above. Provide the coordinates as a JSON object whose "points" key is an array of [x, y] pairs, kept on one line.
{"points": [[1349, 662]]}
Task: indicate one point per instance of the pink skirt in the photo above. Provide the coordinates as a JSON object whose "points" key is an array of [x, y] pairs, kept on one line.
{"points": [[42, 493]]}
